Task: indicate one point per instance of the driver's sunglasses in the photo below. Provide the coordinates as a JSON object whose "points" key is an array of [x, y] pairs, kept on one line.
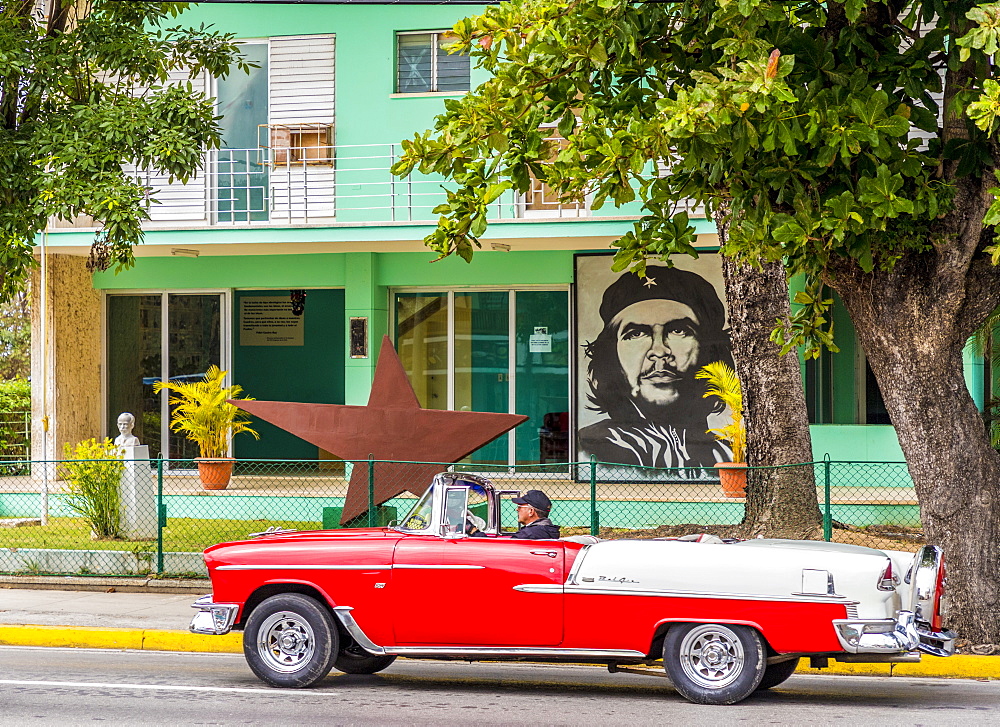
{"points": [[520, 506]]}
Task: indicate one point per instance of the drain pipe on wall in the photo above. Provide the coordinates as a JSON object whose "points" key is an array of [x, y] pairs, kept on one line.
{"points": [[44, 375]]}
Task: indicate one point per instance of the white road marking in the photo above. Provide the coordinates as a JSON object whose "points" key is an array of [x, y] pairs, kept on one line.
{"points": [[162, 687]]}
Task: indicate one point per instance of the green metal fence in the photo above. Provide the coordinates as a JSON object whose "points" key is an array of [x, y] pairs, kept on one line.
{"points": [[15, 441], [161, 517]]}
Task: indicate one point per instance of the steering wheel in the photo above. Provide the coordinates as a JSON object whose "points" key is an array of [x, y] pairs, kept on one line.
{"points": [[473, 522]]}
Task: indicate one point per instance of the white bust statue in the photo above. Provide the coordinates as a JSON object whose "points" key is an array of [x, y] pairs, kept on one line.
{"points": [[125, 423]]}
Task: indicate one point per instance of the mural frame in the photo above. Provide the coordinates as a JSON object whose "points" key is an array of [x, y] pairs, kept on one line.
{"points": [[592, 278]]}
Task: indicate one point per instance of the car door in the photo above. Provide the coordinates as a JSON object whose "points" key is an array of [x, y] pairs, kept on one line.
{"points": [[478, 591]]}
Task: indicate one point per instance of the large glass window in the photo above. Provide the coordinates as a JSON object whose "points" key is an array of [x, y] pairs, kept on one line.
{"points": [[241, 174], [424, 65], [422, 344], [139, 355], [493, 351], [840, 387], [875, 409]]}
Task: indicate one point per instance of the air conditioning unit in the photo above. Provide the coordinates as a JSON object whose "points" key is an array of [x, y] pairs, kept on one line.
{"points": [[299, 144]]}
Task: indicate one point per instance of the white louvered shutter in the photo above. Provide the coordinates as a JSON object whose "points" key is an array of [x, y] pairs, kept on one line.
{"points": [[178, 202], [301, 104]]}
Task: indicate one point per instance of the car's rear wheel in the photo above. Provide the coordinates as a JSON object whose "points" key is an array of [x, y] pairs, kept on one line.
{"points": [[775, 674], [714, 663], [355, 660], [290, 641]]}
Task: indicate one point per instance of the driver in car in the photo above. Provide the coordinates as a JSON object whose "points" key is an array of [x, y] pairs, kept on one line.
{"points": [[533, 509]]}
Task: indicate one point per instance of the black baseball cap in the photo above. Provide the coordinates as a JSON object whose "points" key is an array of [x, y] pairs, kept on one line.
{"points": [[536, 498]]}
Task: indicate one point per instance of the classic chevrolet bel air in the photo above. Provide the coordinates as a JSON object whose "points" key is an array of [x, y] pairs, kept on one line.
{"points": [[727, 619]]}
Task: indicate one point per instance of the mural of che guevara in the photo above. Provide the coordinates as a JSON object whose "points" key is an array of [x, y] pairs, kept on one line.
{"points": [[657, 332]]}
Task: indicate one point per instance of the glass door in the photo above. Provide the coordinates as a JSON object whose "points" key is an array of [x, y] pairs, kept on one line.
{"points": [[504, 351], [541, 372], [193, 344], [482, 363], [134, 364], [151, 338]]}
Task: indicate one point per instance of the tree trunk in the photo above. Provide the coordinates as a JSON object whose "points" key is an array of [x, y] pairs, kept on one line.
{"points": [[913, 324], [780, 502]]}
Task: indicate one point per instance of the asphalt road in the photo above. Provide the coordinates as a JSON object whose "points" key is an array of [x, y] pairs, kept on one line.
{"points": [[75, 686]]}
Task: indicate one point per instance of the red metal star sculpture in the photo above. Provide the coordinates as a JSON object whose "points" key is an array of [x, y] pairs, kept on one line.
{"points": [[392, 427]]}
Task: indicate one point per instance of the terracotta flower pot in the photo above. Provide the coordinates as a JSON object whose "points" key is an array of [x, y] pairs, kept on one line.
{"points": [[733, 478], [215, 472]]}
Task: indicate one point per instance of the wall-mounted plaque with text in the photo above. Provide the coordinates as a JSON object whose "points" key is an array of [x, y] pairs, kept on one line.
{"points": [[268, 320]]}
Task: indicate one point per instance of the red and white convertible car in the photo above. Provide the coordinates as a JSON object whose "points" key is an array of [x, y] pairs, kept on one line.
{"points": [[726, 619]]}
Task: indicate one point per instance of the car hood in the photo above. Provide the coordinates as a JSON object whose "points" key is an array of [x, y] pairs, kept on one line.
{"points": [[298, 536]]}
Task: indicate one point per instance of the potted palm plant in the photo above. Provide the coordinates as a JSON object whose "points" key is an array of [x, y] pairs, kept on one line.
{"points": [[723, 383], [202, 412]]}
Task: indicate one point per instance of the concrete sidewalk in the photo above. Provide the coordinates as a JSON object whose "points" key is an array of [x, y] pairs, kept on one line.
{"points": [[89, 609], [110, 619], [106, 619]]}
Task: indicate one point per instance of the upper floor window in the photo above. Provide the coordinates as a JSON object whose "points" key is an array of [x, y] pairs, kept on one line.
{"points": [[423, 65]]}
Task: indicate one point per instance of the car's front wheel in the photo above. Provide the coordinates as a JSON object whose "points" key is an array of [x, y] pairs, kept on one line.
{"points": [[714, 663], [355, 660], [290, 641]]}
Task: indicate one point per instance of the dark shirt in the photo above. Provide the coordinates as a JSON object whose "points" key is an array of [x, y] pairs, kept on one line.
{"points": [[541, 529]]}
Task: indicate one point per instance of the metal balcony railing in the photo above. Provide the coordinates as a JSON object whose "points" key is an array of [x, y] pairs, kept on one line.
{"points": [[291, 185]]}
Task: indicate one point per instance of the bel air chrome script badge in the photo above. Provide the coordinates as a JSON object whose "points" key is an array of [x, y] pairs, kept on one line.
{"points": [[609, 579]]}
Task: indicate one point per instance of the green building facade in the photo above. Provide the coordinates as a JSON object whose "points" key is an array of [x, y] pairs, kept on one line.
{"points": [[300, 206]]}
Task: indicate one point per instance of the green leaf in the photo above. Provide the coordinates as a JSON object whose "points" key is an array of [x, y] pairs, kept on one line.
{"points": [[598, 54], [789, 232], [896, 126], [567, 123], [853, 9], [992, 216]]}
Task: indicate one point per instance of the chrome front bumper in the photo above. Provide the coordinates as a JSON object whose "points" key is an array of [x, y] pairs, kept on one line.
{"points": [[214, 619], [892, 636]]}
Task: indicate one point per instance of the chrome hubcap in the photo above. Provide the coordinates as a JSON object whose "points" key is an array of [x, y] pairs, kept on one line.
{"points": [[712, 656], [285, 641]]}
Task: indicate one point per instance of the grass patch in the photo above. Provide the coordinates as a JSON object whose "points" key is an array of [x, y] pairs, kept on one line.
{"points": [[182, 535]]}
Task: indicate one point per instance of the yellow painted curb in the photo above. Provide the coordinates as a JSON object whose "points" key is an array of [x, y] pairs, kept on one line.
{"points": [[111, 638], [955, 667], [231, 643], [94, 638], [958, 667]]}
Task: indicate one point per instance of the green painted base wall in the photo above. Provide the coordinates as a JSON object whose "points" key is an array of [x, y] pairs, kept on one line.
{"points": [[856, 443]]}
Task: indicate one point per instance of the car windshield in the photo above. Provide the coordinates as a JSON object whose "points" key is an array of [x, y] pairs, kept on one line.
{"points": [[419, 517]]}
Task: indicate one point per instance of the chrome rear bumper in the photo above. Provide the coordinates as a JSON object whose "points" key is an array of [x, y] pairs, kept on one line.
{"points": [[892, 636], [213, 619]]}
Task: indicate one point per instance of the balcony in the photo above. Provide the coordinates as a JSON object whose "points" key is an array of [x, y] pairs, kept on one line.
{"points": [[280, 185]]}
